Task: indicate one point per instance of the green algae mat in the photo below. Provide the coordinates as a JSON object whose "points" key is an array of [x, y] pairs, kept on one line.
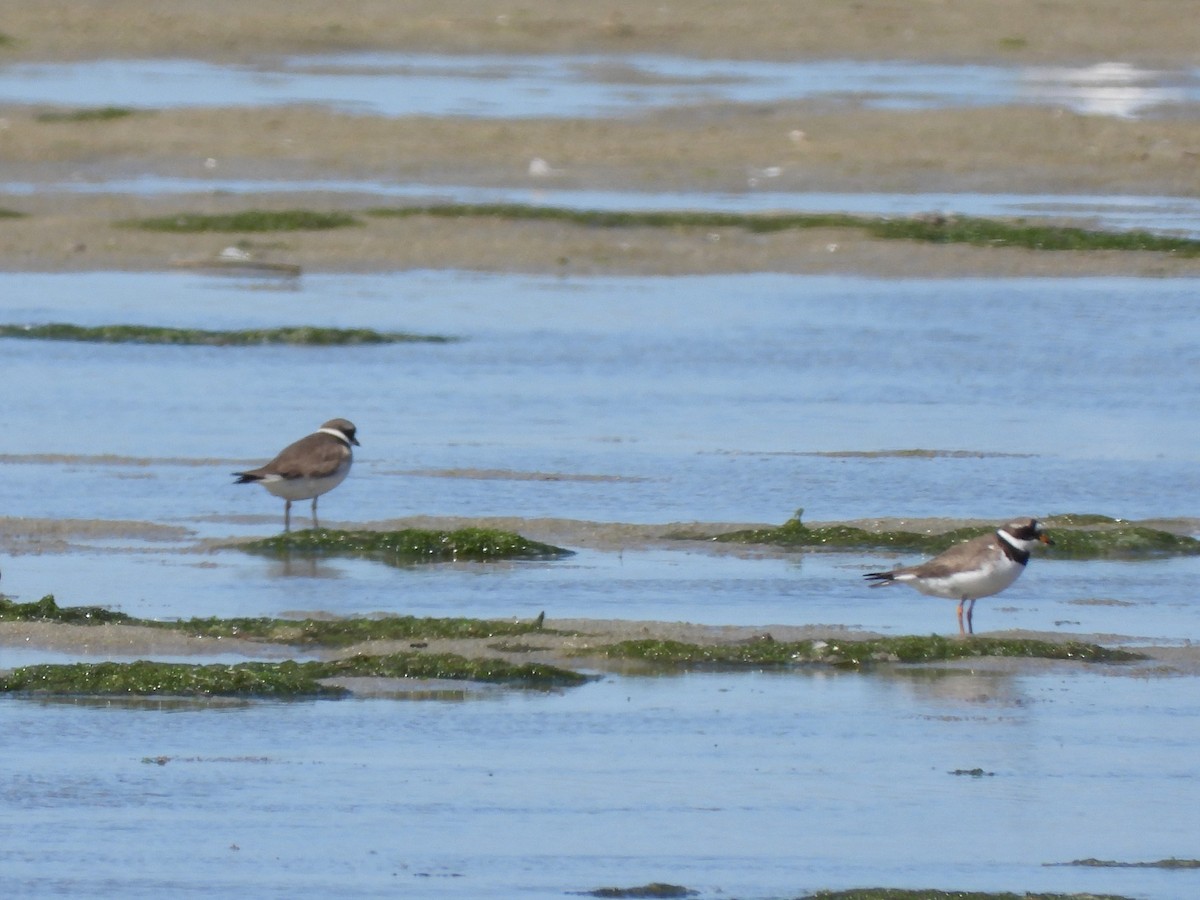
{"points": [[306, 633], [248, 221], [272, 680], [658, 890], [674, 891], [275, 679], [974, 230], [1172, 862], [1075, 537], [906, 894], [854, 654], [408, 546], [306, 679], [296, 336]]}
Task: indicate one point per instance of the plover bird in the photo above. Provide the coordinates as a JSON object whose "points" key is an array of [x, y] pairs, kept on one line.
{"points": [[312, 466], [976, 568]]}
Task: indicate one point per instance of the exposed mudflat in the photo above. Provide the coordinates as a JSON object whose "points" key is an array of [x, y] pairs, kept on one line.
{"points": [[567, 643], [805, 146], [79, 235], [1031, 31]]}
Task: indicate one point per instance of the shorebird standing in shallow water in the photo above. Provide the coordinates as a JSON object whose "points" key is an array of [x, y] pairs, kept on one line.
{"points": [[976, 568], [310, 467]]}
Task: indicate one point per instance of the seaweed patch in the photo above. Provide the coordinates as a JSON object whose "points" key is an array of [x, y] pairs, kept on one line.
{"points": [[853, 654], [288, 679], [1075, 537], [408, 546], [298, 336]]}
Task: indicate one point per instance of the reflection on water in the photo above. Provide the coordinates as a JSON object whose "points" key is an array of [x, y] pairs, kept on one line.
{"points": [[288, 566], [958, 693], [1106, 89], [562, 86]]}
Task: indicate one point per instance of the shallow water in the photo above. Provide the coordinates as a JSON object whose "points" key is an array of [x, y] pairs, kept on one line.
{"points": [[635, 400], [748, 786], [723, 398], [1148, 601], [718, 398], [585, 86], [643, 399]]}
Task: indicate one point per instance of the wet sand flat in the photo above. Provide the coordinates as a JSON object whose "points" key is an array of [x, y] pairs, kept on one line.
{"points": [[806, 146], [569, 643], [1063, 31], [81, 233]]}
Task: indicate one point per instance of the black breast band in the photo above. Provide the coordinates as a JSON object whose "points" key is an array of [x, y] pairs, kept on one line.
{"points": [[1018, 556]]}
